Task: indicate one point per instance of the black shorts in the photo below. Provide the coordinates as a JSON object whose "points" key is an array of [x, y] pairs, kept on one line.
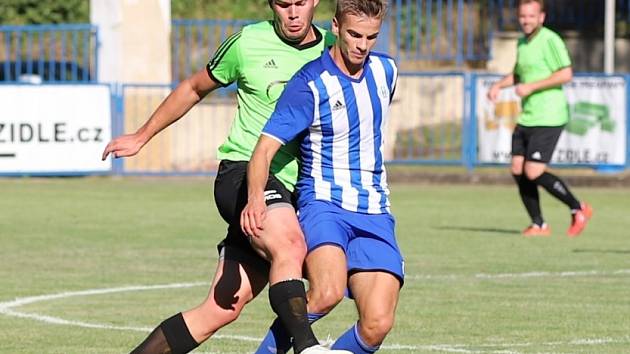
{"points": [[535, 143], [230, 196]]}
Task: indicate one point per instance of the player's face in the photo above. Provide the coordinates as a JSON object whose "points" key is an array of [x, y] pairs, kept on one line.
{"points": [[356, 36], [530, 17], [293, 18]]}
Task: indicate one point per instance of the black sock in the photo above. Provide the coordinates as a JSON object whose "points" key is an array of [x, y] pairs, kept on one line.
{"points": [[556, 187], [288, 301], [177, 336], [154, 343], [528, 191]]}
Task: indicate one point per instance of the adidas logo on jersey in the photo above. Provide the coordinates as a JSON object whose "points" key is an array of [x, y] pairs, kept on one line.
{"points": [[338, 105], [271, 64]]}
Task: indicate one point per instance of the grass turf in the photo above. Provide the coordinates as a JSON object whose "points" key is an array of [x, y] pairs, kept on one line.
{"points": [[473, 284]]}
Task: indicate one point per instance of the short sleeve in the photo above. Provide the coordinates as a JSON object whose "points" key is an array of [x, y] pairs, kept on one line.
{"points": [[294, 111], [556, 54], [224, 67]]}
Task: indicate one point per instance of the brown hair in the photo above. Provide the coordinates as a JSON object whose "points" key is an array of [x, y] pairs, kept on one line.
{"points": [[370, 8], [539, 2]]}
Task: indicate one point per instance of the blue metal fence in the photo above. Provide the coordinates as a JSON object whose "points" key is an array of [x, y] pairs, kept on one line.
{"points": [[433, 121], [442, 30], [453, 31], [424, 30], [430, 119], [193, 42], [48, 53], [435, 30]]}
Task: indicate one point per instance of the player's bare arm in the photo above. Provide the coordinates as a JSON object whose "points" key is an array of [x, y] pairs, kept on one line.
{"points": [[178, 102], [558, 78], [506, 81], [253, 214]]}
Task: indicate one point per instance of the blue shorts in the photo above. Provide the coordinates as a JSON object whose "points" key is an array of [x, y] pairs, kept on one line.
{"points": [[368, 240]]}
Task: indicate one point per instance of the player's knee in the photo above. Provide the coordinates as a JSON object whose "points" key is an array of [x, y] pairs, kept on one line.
{"points": [[292, 247], [516, 169], [324, 299], [298, 246], [375, 328], [532, 174]]}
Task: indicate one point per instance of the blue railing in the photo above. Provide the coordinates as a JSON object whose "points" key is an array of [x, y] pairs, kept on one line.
{"points": [[48, 53], [193, 42], [434, 120], [442, 30], [452, 31]]}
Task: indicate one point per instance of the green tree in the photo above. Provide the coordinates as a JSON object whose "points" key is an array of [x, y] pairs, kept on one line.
{"points": [[29, 12], [237, 9]]}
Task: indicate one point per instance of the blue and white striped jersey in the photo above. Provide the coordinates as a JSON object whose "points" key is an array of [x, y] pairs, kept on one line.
{"points": [[340, 123]]}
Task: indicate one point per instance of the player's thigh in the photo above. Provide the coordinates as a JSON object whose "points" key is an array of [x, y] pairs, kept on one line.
{"points": [[230, 190], [327, 273], [281, 233], [373, 245], [542, 143], [281, 226], [376, 295], [517, 164], [519, 148]]}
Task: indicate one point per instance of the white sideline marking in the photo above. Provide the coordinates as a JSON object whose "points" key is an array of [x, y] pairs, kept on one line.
{"points": [[6, 308], [519, 275]]}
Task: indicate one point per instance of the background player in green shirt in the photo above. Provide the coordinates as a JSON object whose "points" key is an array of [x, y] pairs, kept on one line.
{"points": [[542, 67], [260, 58]]}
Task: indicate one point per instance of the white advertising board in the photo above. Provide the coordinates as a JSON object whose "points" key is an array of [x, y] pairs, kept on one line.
{"points": [[54, 128], [595, 134]]}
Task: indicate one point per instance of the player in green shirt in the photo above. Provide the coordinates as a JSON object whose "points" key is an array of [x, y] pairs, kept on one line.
{"points": [[542, 67], [260, 58]]}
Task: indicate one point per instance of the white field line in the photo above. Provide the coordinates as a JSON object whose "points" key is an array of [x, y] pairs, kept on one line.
{"points": [[519, 275], [6, 308]]}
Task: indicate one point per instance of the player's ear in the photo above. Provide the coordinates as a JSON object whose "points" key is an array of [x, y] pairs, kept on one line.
{"points": [[335, 26], [315, 3]]}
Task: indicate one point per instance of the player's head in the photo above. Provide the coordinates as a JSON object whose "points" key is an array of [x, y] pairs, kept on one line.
{"points": [[356, 25], [293, 18], [531, 15]]}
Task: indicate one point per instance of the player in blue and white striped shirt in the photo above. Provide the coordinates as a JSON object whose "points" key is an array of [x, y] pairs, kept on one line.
{"points": [[336, 106]]}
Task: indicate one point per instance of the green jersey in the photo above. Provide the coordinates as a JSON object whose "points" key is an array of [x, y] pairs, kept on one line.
{"points": [[261, 63], [538, 58]]}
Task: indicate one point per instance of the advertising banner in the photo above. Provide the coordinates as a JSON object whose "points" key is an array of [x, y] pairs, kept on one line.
{"points": [[52, 129], [595, 134]]}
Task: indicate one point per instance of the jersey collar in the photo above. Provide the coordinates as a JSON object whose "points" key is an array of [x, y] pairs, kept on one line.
{"points": [[316, 41]]}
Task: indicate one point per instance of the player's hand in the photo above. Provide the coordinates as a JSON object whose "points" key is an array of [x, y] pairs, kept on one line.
{"points": [[523, 90], [253, 215], [493, 93], [123, 146]]}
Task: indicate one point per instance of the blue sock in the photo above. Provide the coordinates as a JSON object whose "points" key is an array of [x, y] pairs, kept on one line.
{"points": [[277, 339], [312, 317], [352, 341]]}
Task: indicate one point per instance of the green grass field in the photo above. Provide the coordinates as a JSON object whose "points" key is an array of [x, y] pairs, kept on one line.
{"points": [[90, 265]]}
